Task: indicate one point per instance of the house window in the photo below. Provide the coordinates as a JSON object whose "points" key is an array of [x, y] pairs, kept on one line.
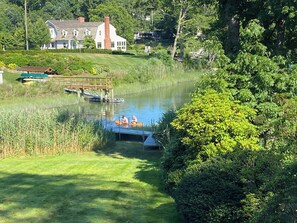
{"points": [[52, 45], [64, 45], [100, 33], [64, 33], [75, 33], [99, 45], [119, 44], [87, 32], [112, 44], [52, 31]]}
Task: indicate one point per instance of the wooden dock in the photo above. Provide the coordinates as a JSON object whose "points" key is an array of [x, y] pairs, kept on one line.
{"points": [[83, 83], [148, 140]]}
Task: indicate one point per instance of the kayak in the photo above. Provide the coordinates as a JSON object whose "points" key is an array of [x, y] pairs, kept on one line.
{"points": [[132, 124], [136, 124], [117, 122]]}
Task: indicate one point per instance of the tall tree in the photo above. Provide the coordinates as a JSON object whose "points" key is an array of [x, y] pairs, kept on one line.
{"points": [[178, 10], [189, 19], [119, 17], [39, 34], [230, 17], [57, 10]]}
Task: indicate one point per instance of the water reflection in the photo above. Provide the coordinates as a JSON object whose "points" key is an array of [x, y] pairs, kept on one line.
{"points": [[148, 106]]}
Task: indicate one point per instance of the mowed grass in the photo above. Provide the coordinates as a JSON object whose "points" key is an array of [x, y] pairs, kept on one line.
{"points": [[119, 184]]}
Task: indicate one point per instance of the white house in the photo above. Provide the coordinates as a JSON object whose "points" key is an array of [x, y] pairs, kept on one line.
{"points": [[69, 34]]}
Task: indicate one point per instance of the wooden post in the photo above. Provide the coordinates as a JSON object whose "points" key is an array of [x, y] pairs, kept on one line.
{"points": [[26, 27], [120, 129], [80, 92]]}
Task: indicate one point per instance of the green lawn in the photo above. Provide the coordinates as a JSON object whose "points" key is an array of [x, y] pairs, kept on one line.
{"points": [[119, 184]]}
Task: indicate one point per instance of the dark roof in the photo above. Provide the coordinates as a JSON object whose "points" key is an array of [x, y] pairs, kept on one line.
{"points": [[32, 69], [70, 25], [73, 24]]}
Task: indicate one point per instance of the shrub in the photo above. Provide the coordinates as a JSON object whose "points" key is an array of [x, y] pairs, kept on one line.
{"points": [[2, 64], [210, 193], [164, 56], [12, 66]]}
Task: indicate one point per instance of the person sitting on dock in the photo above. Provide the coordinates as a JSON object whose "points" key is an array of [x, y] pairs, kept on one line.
{"points": [[124, 120], [134, 119]]}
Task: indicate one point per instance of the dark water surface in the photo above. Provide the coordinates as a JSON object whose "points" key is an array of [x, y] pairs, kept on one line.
{"points": [[148, 106]]}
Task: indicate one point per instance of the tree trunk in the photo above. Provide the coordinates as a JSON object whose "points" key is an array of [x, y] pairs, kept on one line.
{"points": [[179, 26], [231, 21], [280, 38]]}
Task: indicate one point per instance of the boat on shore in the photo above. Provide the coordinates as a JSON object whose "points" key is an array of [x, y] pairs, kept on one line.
{"points": [[91, 97]]}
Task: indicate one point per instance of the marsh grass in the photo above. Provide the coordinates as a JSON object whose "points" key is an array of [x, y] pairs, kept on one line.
{"points": [[52, 131]]}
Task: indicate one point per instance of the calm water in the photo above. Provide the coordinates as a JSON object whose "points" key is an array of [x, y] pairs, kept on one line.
{"points": [[148, 106]]}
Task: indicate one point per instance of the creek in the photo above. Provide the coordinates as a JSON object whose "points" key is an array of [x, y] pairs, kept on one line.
{"points": [[148, 106]]}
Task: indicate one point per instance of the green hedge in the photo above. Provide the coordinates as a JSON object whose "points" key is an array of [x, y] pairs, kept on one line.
{"points": [[84, 50]]}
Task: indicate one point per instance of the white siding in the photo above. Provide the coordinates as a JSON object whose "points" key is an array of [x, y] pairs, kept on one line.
{"points": [[66, 41], [115, 39]]}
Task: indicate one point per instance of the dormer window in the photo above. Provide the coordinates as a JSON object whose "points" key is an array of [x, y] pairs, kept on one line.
{"points": [[87, 32], [52, 32], [64, 33], [75, 33]]}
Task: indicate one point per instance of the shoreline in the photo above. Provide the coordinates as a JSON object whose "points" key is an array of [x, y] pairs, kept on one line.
{"points": [[59, 100]]}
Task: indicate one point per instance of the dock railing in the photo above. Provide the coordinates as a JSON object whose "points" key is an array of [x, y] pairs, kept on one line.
{"points": [[83, 82]]}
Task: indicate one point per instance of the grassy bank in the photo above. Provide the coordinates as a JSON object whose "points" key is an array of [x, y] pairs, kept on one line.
{"points": [[120, 184], [158, 83], [114, 63]]}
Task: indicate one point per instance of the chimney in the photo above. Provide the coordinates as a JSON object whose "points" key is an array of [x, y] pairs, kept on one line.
{"points": [[81, 19], [107, 40]]}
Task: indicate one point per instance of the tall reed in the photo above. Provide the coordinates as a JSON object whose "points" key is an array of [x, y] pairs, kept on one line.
{"points": [[42, 132]]}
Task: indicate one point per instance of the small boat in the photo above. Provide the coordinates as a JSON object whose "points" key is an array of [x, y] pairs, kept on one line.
{"points": [[132, 124], [93, 99]]}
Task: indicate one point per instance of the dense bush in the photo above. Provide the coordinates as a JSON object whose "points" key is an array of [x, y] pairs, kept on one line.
{"points": [[211, 125], [60, 63], [210, 192], [232, 156]]}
